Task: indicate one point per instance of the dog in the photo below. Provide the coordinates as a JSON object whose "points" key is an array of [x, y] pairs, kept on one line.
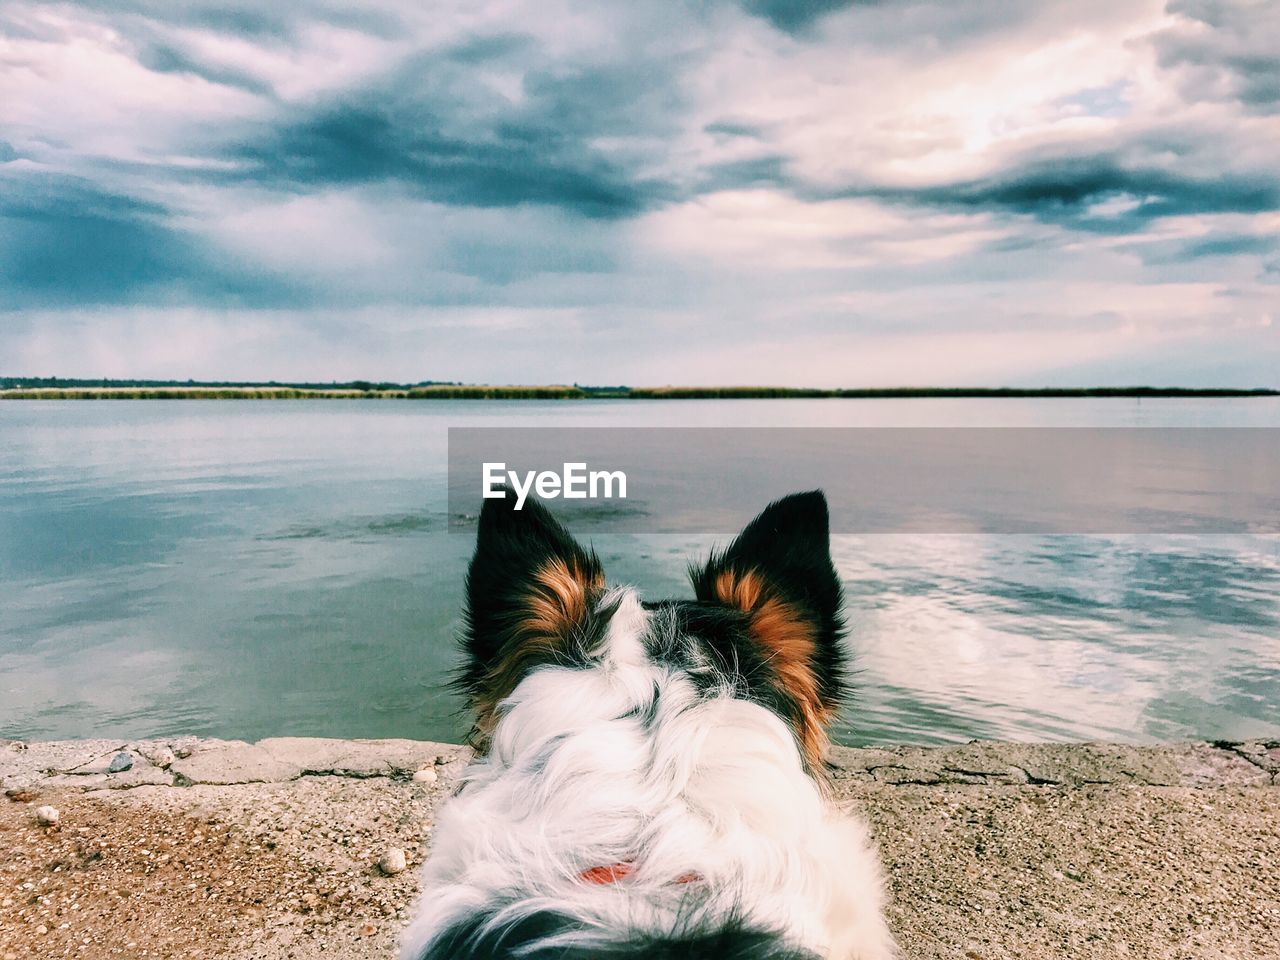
{"points": [[649, 778]]}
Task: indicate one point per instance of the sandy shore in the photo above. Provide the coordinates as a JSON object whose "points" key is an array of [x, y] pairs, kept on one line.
{"points": [[270, 850]]}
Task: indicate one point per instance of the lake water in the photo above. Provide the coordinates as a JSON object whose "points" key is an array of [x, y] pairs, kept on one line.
{"points": [[245, 569]]}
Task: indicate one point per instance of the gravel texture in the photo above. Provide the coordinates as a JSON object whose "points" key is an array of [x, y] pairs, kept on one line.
{"points": [[273, 850]]}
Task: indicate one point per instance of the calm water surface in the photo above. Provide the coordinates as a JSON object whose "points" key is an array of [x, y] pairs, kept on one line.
{"points": [[242, 569]]}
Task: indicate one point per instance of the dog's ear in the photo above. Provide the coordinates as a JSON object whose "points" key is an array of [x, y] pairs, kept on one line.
{"points": [[531, 591], [779, 573]]}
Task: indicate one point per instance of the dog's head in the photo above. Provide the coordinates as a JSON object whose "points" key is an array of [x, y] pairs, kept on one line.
{"points": [[764, 624]]}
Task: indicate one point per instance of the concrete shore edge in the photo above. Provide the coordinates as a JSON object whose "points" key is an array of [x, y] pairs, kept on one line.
{"points": [[188, 761]]}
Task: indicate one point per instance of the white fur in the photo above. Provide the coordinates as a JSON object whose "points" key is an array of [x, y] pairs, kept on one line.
{"points": [[587, 770]]}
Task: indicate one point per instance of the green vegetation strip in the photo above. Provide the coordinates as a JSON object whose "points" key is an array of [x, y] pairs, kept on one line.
{"points": [[551, 392]]}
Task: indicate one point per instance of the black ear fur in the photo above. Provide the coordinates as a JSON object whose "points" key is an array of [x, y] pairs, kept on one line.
{"points": [[511, 547], [789, 545]]}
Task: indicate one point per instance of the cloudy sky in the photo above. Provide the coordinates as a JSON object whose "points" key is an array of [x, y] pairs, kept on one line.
{"points": [[643, 191]]}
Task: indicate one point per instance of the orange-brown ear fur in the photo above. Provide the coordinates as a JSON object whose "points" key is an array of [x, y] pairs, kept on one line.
{"points": [[546, 626], [778, 573], [532, 592], [787, 638]]}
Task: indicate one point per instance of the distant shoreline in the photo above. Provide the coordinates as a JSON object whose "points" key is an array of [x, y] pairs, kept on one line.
{"points": [[554, 392]]}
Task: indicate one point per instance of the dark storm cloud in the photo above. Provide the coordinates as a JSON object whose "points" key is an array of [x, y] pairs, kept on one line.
{"points": [[160, 31], [1205, 254], [766, 171], [165, 58], [925, 27], [1064, 189], [427, 126], [734, 128], [249, 19], [794, 16], [1230, 245], [64, 242], [1225, 52]]}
